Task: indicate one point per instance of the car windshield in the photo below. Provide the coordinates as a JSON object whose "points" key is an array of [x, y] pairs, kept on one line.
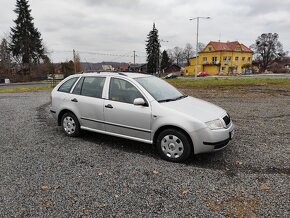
{"points": [[159, 89]]}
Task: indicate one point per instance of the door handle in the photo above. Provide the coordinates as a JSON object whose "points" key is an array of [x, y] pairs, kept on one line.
{"points": [[74, 100], [108, 106]]}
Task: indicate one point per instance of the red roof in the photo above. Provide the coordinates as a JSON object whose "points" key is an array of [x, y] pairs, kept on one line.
{"points": [[228, 46]]}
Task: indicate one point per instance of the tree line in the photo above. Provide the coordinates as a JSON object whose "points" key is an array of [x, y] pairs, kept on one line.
{"points": [[23, 51], [267, 49]]}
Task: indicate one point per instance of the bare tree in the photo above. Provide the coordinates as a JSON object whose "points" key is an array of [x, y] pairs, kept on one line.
{"points": [[79, 67], [200, 46], [177, 55], [266, 49], [188, 52]]}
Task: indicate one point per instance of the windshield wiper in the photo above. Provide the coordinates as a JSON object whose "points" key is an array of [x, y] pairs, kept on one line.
{"points": [[172, 99], [180, 97]]}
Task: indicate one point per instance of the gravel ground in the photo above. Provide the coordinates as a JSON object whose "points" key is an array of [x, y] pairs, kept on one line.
{"points": [[46, 174]]}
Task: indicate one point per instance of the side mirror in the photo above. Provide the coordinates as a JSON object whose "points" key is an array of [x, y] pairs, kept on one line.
{"points": [[139, 101]]}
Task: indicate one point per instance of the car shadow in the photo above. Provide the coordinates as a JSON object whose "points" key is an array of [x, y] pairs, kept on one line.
{"points": [[122, 144], [207, 160]]}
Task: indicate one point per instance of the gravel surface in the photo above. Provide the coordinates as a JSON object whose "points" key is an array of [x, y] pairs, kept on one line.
{"points": [[46, 174]]}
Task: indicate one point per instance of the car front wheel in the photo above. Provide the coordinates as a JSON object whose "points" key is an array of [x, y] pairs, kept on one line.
{"points": [[173, 145], [70, 124]]}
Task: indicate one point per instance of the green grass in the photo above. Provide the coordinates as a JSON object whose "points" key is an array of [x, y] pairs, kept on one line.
{"points": [[190, 83], [237, 82], [25, 89]]}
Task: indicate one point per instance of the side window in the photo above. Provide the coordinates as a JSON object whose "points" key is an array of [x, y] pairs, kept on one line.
{"points": [[93, 86], [78, 87], [123, 91], [66, 87]]}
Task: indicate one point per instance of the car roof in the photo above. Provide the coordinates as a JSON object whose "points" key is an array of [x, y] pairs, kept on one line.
{"points": [[132, 75]]}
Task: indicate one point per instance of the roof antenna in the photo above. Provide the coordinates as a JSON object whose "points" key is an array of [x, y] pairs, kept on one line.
{"points": [[220, 36]]}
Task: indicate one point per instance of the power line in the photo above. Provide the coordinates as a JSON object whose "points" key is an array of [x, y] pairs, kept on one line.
{"points": [[98, 53]]}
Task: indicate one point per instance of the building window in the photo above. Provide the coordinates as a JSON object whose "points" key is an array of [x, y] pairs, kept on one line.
{"points": [[249, 60], [229, 58], [236, 58], [225, 58], [223, 69], [243, 59], [209, 48], [204, 60], [214, 60]]}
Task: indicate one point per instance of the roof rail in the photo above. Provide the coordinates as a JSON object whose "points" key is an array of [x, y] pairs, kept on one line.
{"points": [[123, 74]]}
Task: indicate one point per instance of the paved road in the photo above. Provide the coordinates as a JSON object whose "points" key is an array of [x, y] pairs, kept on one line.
{"points": [[27, 84], [47, 174]]}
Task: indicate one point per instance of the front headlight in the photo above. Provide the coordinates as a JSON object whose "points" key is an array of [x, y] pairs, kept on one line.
{"points": [[215, 124]]}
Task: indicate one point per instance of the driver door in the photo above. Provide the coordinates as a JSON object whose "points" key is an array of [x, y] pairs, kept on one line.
{"points": [[122, 116]]}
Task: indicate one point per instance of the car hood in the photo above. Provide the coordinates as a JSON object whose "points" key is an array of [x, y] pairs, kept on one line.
{"points": [[196, 108]]}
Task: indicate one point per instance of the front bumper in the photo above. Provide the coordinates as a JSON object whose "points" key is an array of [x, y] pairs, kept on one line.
{"points": [[206, 140]]}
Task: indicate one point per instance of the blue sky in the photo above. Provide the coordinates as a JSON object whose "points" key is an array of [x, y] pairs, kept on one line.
{"points": [[110, 30]]}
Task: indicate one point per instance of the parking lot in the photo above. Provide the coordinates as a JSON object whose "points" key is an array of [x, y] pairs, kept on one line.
{"points": [[46, 174]]}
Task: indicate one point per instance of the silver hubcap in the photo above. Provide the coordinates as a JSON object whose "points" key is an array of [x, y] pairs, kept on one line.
{"points": [[69, 125], [172, 146]]}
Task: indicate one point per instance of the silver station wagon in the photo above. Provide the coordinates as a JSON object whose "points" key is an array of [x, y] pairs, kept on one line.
{"points": [[143, 108]]}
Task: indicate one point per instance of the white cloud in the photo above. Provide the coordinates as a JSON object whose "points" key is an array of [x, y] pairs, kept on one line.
{"points": [[119, 27]]}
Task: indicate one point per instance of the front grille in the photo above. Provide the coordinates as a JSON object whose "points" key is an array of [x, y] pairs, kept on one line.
{"points": [[227, 119]]}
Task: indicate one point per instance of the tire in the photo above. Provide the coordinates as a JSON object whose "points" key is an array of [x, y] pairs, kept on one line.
{"points": [[174, 145], [70, 124]]}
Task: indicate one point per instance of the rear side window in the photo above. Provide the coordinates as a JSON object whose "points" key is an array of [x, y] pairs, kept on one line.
{"points": [[78, 88], [66, 86], [93, 86]]}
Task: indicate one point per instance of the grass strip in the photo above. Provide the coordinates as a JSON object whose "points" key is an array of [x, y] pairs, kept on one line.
{"points": [[25, 89], [220, 82]]}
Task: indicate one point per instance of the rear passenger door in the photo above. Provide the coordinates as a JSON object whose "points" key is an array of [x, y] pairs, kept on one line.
{"points": [[88, 102]]}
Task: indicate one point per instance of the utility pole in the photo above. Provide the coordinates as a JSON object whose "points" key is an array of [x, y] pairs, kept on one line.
{"points": [[197, 26], [134, 56], [74, 56]]}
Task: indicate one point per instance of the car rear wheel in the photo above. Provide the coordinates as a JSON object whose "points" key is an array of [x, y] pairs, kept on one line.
{"points": [[173, 145], [70, 124]]}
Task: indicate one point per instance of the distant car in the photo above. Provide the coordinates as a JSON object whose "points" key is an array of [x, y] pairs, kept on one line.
{"points": [[141, 107], [171, 76], [202, 74]]}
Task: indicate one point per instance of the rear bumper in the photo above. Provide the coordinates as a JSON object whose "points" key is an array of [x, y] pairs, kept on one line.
{"points": [[53, 113]]}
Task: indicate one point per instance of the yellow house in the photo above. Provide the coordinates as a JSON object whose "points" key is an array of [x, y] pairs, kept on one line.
{"points": [[221, 58]]}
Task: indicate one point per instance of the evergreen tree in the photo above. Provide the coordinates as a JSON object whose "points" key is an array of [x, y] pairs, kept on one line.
{"points": [[165, 61], [5, 56], [67, 68], [153, 51], [26, 43]]}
